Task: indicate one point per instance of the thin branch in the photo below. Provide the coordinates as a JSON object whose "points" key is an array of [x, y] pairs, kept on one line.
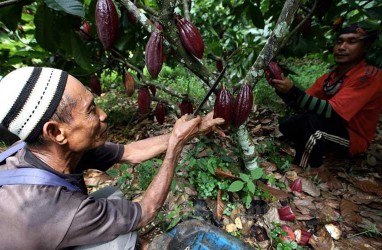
{"points": [[186, 12], [149, 10], [8, 3]]}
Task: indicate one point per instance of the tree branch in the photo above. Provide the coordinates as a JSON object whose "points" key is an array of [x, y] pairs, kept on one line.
{"points": [[186, 12], [9, 2]]}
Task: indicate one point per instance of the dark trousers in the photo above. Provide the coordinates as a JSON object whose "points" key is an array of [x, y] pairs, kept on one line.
{"points": [[313, 135]]}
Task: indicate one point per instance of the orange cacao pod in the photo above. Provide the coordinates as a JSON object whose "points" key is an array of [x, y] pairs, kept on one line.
{"points": [[95, 85], [337, 24], [186, 107], [107, 22], [243, 105], [160, 112], [129, 83], [154, 52], [190, 37], [223, 107], [274, 70], [144, 100]]}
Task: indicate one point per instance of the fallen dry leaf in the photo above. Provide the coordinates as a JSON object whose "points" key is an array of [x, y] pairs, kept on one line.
{"points": [[310, 188], [279, 194], [225, 174], [323, 240], [349, 212], [368, 187], [268, 167], [219, 206]]}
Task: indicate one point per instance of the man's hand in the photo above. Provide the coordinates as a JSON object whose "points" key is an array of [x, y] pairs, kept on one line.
{"points": [[282, 86]]}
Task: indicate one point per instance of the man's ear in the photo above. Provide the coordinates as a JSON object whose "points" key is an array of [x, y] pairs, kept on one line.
{"points": [[55, 132]]}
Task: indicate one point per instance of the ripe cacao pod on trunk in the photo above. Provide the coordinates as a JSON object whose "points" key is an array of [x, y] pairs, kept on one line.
{"points": [[190, 37], [153, 89], [186, 107], [95, 85], [107, 22], [219, 65], [160, 112], [274, 70], [129, 83], [223, 107], [144, 100], [154, 52], [87, 28], [243, 105]]}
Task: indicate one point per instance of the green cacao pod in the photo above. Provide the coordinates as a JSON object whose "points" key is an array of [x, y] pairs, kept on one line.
{"points": [[160, 112], [95, 85], [190, 37], [144, 100], [186, 107], [107, 22], [274, 70], [223, 107], [129, 83], [243, 105], [154, 52]]}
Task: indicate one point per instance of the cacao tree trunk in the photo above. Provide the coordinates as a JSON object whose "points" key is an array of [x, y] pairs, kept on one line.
{"points": [[256, 72]]}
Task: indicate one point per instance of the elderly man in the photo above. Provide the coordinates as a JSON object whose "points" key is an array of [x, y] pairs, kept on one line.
{"points": [[66, 134], [341, 108]]}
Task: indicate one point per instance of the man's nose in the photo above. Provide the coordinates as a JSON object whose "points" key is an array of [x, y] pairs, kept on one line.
{"points": [[102, 115]]}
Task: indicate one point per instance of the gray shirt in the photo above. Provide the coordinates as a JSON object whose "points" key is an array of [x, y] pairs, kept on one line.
{"points": [[51, 217]]}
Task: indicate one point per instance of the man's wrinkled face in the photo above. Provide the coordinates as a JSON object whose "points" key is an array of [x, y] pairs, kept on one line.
{"points": [[88, 128], [349, 48]]}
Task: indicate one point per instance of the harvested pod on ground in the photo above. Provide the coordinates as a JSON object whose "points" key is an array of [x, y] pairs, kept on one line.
{"points": [[95, 85], [154, 52], [243, 105], [223, 107], [129, 83], [107, 22], [160, 112], [144, 100], [190, 37]]}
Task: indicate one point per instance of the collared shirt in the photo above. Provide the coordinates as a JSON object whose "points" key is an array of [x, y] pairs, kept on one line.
{"points": [[358, 102], [51, 217]]}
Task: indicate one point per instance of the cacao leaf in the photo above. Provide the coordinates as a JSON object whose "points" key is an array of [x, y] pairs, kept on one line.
{"points": [[349, 212], [236, 186], [254, 13], [79, 52], [11, 15], [72, 7], [46, 32], [219, 206]]}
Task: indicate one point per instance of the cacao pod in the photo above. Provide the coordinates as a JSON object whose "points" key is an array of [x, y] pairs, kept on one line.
{"points": [[337, 24], [160, 112], [144, 100], [129, 83], [186, 107], [307, 27], [243, 105], [154, 52], [223, 107], [190, 37], [219, 65], [132, 19], [95, 85], [87, 28], [274, 70], [107, 22], [153, 90]]}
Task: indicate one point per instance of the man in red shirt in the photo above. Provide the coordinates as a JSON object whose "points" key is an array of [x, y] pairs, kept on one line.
{"points": [[341, 108]]}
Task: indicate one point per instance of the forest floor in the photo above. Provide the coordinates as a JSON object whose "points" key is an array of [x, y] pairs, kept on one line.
{"points": [[343, 197]]}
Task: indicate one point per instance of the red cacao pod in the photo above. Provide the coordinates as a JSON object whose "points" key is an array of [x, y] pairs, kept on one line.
{"points": [[243, 105], [190, 37], [87, 28], [286, 213], [296, 185], [107, 22], [160, 112], [302, 237], [223, 107], [274, 70], [129, 83], [130, 16], [291, 236], [154, 52], [153, 89], [144, 100], [95, 85], [219, 65], [186, 107]]}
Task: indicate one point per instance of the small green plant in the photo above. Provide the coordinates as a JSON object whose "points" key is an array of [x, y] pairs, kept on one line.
{"points": [[276, 232], [372, 231], [123, 177], [247, 187], [147, 170], [228, 208]]}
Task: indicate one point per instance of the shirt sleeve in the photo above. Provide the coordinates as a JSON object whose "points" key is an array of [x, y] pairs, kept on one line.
{"points": [[353, 96], [101, 220], [102, 158]]}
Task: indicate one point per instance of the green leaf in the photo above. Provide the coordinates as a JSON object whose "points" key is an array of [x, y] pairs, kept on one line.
{"points": [[257, 173], [46, 32], [244, 177], [251, 187], [11, 15], [79, 52], [247, 201], [236, 186], [72, 7], [113, 173]]}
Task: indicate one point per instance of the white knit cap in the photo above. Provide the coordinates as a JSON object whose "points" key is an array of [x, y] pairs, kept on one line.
{"points": [[29, 97]]}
